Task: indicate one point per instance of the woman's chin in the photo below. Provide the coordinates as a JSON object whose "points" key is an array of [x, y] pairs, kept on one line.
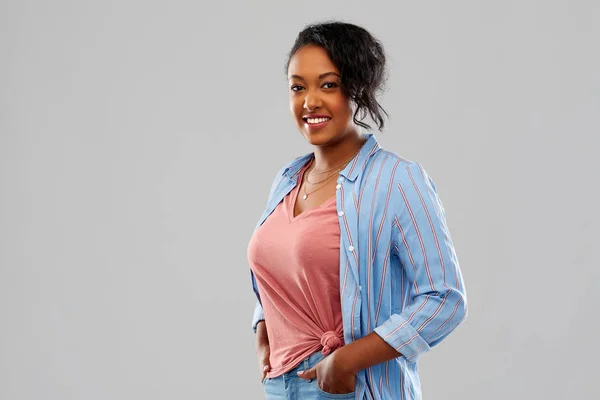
{"points": [[318, 138]]}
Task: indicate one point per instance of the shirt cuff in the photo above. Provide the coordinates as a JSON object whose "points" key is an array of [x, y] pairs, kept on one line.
{"points": [[258, 316], [403, 337]]}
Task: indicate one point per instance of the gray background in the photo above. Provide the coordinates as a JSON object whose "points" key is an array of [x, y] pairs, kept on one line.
{"points": [[138, 140]]}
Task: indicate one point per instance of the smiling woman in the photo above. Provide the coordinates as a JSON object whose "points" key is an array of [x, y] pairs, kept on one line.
{"points": [[314, 68], [352, 262], [316, 97]]}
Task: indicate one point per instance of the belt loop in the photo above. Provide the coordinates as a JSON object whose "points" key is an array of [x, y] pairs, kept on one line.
{"points": [[307, 365]]}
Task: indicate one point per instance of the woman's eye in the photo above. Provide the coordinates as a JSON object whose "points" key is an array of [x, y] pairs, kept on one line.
{"points": [[329, 85], [295, 88]]}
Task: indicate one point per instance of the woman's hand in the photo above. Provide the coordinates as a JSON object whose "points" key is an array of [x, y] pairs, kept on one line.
{"points": [[331, 376], [263, 351]]}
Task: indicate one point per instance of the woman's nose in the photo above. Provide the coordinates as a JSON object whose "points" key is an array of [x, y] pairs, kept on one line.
{"points": [[311, 102]]}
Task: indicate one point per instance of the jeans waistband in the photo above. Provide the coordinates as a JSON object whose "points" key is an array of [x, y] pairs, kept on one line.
{"points": [[307, 363]]}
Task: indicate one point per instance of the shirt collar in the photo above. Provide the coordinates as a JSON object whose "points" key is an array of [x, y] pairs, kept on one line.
{"points": [[354, 167]]}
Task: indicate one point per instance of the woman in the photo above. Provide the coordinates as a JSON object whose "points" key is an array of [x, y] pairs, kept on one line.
{"points": [[352, 262]]}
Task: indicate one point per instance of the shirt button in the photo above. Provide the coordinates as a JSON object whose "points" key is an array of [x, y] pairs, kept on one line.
{"points": [[340, 213], [351, 248], [338, 186], [359, 288]]}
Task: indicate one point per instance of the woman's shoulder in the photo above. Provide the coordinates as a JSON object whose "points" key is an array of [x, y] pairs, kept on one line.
{"points": [[392, 162], [401, 171], [392, 157]]}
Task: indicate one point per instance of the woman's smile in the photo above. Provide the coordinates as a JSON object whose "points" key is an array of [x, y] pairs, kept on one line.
{"points": [[314, 122]]}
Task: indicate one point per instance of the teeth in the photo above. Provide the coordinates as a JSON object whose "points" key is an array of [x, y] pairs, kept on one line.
{"points": [[316, 120]]}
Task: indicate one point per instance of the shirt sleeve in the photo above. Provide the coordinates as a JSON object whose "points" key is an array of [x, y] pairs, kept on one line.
{"points": [[258, 315], [437, 301]]}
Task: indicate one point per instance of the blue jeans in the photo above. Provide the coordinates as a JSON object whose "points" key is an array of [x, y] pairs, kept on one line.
{"points": [[289, 386]]}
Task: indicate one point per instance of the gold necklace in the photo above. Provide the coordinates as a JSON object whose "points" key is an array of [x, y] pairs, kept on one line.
{"points": [[322, 180], [341, 165], [307, 193]]}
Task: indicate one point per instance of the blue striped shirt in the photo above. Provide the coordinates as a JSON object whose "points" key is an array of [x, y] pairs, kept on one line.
{"points": [[399, 273]]}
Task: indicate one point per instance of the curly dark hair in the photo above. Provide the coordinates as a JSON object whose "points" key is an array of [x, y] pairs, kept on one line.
{"points": [[358, 56]]}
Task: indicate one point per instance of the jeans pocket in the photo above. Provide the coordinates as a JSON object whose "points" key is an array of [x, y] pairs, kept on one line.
{"points": [[326, 395]]}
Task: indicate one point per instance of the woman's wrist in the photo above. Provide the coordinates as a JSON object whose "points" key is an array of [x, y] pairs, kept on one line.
{"points": [[262, 339], [364, 353], [344, 360]]}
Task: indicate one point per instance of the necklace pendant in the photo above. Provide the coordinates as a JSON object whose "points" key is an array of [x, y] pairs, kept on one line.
{"points": [[304, 197]]}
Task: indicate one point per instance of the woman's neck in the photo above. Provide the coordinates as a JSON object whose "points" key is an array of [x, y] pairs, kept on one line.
{"points": [[332, 156]]}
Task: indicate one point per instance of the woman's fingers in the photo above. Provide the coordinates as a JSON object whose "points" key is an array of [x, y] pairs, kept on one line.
{"points": [[265, 369], [264, 357]]}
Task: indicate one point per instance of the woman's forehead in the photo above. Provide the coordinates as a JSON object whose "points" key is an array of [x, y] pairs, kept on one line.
{"points": [[310, 60]]}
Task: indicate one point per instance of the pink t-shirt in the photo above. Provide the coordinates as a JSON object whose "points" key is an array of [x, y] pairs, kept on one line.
{"points": [[296, 264]]}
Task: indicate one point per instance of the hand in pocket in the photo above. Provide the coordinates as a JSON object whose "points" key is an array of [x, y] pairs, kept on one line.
{"points": [[331, 377], [264, 353]]}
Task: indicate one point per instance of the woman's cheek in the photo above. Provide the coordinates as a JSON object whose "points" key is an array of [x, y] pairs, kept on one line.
{"points": [[340, 106]]}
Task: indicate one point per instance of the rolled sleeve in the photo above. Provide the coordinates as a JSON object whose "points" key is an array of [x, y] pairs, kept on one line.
{"points": [[437, 299], [258, 316], [402, 336]]}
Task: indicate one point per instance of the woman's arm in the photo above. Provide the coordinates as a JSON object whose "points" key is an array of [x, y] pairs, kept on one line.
{"points": [[261, 334], [363, 353], [437, 301], [263, 351]]}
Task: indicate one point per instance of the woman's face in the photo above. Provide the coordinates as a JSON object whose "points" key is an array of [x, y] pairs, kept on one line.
{"points": [[322, 113]]}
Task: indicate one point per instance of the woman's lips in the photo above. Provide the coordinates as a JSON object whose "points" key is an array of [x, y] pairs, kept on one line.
{"points": [[314, 124]]}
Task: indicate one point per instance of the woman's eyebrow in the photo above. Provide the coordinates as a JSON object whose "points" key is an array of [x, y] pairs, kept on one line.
{"points": [[329, 73], [320, 76]]}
